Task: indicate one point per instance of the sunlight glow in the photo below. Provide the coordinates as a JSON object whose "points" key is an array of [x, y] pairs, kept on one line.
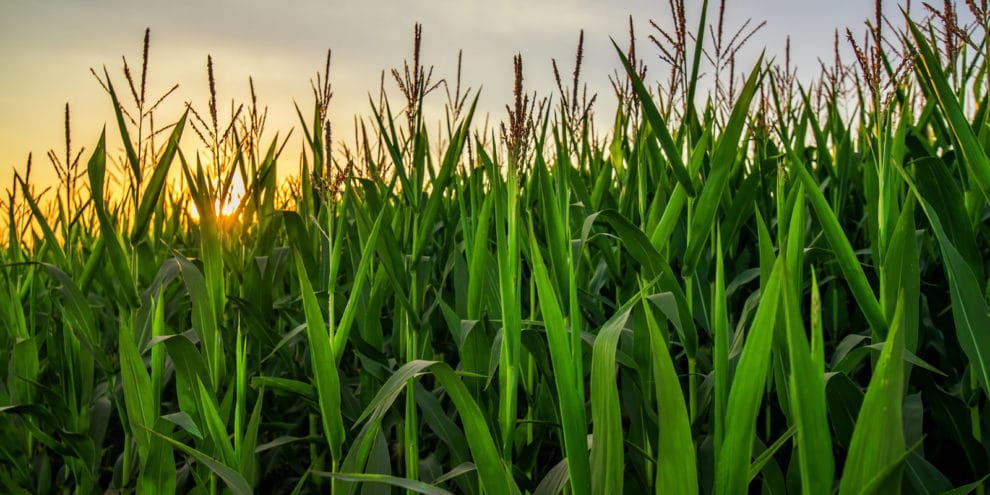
{"points": [[230, 204]]}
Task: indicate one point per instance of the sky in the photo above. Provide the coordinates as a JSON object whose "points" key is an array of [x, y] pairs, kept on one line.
{"points": [[48, 47]]}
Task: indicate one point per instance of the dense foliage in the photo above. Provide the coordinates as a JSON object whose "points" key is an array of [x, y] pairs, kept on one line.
{"points": [[782, 288]]}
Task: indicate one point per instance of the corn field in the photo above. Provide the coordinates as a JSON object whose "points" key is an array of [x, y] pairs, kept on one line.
{"points": [[744, 285]]}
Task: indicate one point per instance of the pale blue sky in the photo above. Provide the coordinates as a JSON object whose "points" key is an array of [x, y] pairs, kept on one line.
{"points": [[47, 48]]}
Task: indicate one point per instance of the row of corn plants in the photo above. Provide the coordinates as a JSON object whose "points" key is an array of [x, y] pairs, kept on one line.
{"points": [[778, 287]]}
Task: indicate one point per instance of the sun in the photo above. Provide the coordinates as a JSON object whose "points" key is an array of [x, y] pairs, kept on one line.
{"points": [[230, 204]]}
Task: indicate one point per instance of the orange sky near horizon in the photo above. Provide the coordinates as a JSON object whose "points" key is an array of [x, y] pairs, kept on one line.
{"points": [[47, 49]]}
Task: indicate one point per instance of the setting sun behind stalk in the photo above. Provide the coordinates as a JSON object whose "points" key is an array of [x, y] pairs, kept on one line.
{"points": [[230, 203]]}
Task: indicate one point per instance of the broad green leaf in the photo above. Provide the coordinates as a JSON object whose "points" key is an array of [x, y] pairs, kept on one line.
{"points": [[555, 480], [639, 246], [968, 488], [439, 184], [204, 319], [848, 264], [720, 347], [569, 387], [437, 420], [494, 474], [933, 78], [79, 314], [969, 307], [658, 125], [322, 360], [96, 169], [140, 405], [184, 421], [237, 484], [216, 427], [158, 473], [607, 447], [343, 330], [901, 273], [807, 396], [726, 152], [50, 240], [304, 389], [153, 189], [132, 156], [878, 439], [408, 484], [675, 205], [745, 397], [940, 190], [765, 458], [677, 470]]}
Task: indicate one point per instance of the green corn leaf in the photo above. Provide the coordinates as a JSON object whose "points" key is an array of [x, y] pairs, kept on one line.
{"points": [[555, 480], [390, 139], [607, 457], [79, 314], [322, 359], [439, 184], [50, 240], [901, 274], [699, 47], [969, 308], [640, 247], [761, 462], [795, 243], [304, 389], [408, 484], [204, 319], [479, 260], [765, 248], [658, 125], [878, 439], [158, 473], [569, 389], [216, 429], [848, 264], [807, 397], [459, 470], [188, 361], [96, 169], [675, 205], [153, 189], [436, 419], [732, 466], [677, 470], [495, 477], [936, 184], [237, 484], [249, 443], [929, 67], [184, 421], [726, 152], [125, 135], [343, 330], [720, 351], [141, 413], [968, 488]]}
